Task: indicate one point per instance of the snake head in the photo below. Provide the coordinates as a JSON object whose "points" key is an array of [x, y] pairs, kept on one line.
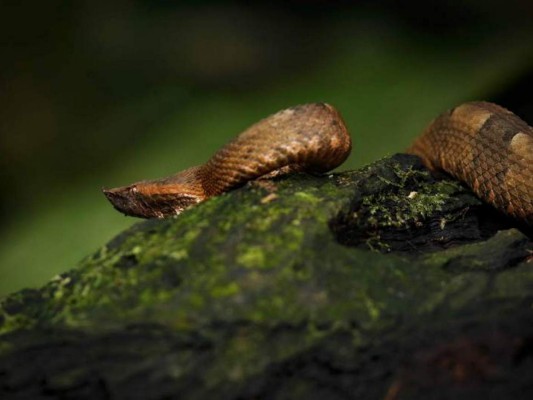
{"points": [[159, 198]]}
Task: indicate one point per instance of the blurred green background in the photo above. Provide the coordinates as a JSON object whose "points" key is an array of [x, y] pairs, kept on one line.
{"points": [[97, 93]]}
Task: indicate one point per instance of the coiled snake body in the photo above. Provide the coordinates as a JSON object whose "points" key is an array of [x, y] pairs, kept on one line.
{"points": [[482, 144]]}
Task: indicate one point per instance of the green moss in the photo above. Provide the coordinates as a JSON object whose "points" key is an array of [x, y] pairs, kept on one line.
{"points": [[252, 257], [402, 207]]}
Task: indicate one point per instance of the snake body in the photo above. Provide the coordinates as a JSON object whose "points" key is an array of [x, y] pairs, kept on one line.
{"points": [[310, 137], [487, 147], [482, 144]]}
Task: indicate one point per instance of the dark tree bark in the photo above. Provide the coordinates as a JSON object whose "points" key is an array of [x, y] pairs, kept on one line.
{"points": [[382, 283]]}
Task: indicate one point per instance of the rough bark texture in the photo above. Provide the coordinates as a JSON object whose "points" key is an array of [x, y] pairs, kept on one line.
{"points": [[382, 283]]}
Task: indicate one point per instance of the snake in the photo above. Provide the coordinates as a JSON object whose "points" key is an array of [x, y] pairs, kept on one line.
{"points": [[483, 145]]}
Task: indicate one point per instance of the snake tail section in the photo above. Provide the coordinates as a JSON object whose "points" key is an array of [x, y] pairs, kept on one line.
{"points": [[487, 147]]}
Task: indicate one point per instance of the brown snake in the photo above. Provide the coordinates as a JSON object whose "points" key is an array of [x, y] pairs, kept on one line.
{"points": [[482, 144]]}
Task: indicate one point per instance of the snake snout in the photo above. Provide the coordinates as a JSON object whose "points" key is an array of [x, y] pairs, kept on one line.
{"points": [[123, 199]]}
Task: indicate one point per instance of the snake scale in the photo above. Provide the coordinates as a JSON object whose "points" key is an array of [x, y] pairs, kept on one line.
{"points": [[482, 144]]}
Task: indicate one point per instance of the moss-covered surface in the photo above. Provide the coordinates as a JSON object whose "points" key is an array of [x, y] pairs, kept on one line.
{"points": [[303, 287]]}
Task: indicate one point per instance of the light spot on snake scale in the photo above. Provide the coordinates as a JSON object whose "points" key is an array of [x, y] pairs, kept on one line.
{"points": [[521, 145], [475, 116]]}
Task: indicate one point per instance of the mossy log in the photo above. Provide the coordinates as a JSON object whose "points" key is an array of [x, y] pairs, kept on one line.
{"points": [[382, 283]]}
